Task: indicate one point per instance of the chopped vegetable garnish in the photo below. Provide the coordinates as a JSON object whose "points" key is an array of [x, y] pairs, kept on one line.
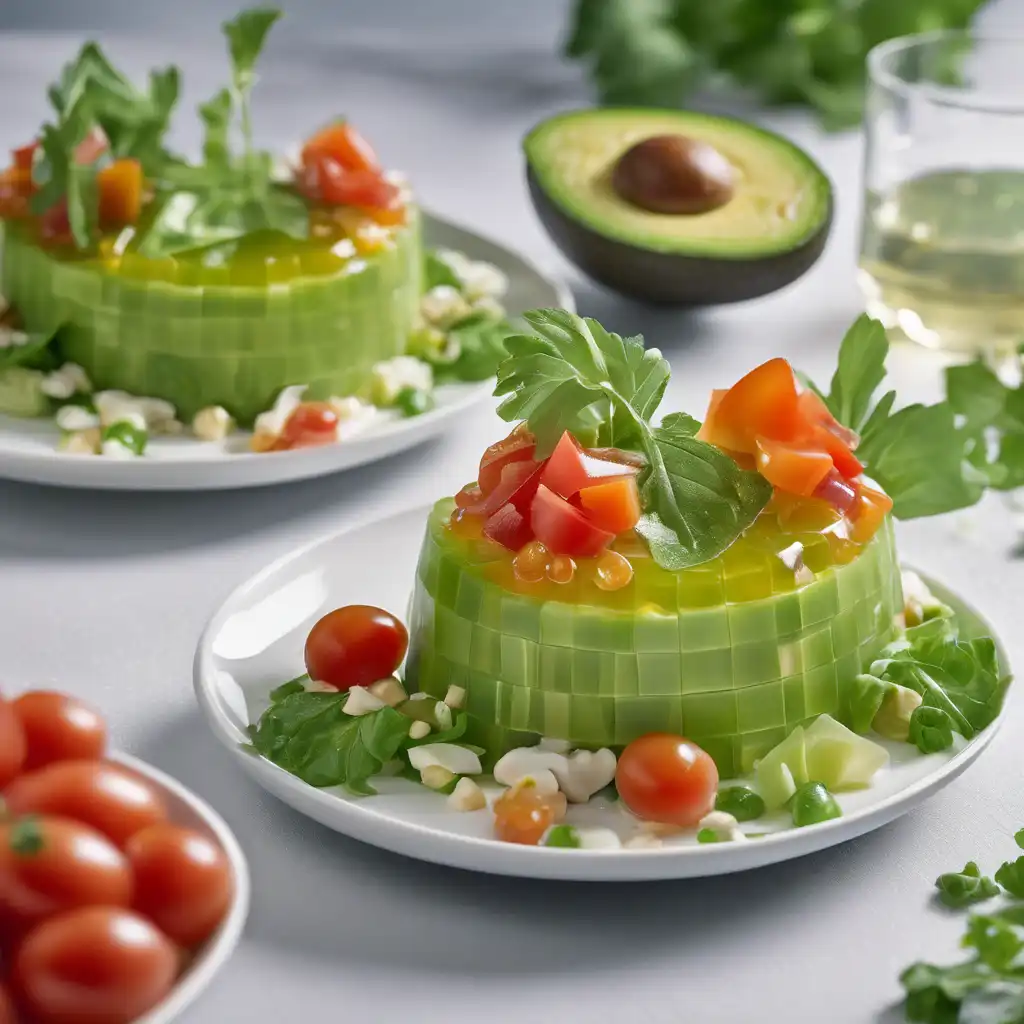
{"points": [[962, 888], [812, 804]]}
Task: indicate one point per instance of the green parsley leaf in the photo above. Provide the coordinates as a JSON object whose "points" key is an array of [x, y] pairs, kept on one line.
{"points": [[962, 888], [311, 736], [861, 369], [571, 374], [1011, 877], [216, 118], [995, 940], [931, 729], [246, 34]]}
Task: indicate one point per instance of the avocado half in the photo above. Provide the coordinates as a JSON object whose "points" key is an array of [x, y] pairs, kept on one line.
{"points": [[767, 235]]}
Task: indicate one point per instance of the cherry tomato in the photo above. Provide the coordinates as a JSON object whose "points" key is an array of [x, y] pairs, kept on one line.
{"points": [[98, 965], [661, 777], [570, 468], [13, 746], [311, 424], [59, 728], [8, 1015], [48, 865], [613, 506], [100, 794], [182, 881], [522, 814], [517, 447], [563, 529], [355, 646], [344, 144]]}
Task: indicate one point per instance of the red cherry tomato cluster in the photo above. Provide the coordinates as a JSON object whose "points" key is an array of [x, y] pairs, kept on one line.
{"points": [[793, 440], [357, 645], [101, 896], [574, 502], [339, 168]]}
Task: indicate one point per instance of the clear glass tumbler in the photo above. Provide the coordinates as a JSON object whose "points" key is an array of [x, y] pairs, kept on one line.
{"points": [[942, 242]]}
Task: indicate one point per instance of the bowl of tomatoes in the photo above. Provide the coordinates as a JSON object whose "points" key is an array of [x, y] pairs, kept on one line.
{"points": [[121, 892]]}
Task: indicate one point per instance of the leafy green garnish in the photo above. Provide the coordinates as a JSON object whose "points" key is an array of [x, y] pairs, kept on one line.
{"points": [[437, 272], [867, 693], [296, 685], [962, 888], [925, 460], [480, 342], [1011, 877], [563, 837], [571, 374], [35, 351], [311, 736], [128, 435], [931, 729], [659, 52]]}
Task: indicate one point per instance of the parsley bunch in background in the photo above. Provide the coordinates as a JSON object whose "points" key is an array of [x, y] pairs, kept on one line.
{"points": [[807, 52]]}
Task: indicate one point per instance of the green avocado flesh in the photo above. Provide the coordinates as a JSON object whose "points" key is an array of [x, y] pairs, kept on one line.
{"points": [[732, 653], [226, 327], [781, 197]]}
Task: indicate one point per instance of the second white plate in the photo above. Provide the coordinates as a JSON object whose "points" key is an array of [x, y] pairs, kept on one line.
{"points": [[28, 448], [255, 641]]}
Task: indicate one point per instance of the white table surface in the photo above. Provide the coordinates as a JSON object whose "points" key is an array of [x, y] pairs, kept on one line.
{"points": [[105, 595]]}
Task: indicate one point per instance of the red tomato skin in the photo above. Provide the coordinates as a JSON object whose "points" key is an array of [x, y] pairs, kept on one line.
{"points": [[311, 424], [342, 143], [8, 1014], [666, 778], [97, 965], [564, 529], [519, 482], [74, 866], [357, 645], [183, 882], [13, 743], [570, 468], [792, 468], [509, 527], [59, 727], [98, 793], [517, 447]]}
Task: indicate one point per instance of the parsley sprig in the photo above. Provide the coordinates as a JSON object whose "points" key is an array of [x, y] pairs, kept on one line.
{"points": [[572, 374]]}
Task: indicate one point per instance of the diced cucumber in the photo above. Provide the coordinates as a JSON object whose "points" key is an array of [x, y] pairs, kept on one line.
{"points": [[783, 770], [840, 758], [21, 392]]}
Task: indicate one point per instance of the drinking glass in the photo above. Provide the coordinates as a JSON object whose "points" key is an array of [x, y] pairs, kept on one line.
{"points": [[942, 241]]}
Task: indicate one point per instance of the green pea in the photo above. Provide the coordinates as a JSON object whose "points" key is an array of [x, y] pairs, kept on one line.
{"points": [[127, 434], [413, 402], [741, 802], [563, 836], [812, 804], [708, 835]]}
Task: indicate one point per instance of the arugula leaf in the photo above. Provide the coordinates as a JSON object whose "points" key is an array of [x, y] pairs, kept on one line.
{"points": [[572, 373], [1011, 877], [311, 736], [962, 888]]}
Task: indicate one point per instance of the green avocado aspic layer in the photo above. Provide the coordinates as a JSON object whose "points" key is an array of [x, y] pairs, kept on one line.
{"points": [[229, 328], [678, 654]]}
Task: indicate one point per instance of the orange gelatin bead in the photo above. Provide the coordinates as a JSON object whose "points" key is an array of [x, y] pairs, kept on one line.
{"points": [[523, 814], [562, 569], [531, 563], [613, 571]]}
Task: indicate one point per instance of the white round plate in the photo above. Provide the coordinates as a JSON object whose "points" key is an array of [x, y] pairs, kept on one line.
{"points": [[28, 448], [255, 641], [190, 811]]}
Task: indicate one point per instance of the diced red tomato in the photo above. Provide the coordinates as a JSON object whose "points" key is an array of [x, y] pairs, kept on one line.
{"points": [[509, 527], [570, 468], [343, 144], [613, 506], [792, 468], [563, 529], [54, 224], [824, 431], [23, 156], [814, 410], [15, 191], [120, 191], [868, 513], [837, 491], [761, 404], [91, 147], [311, 424], [324, 179], [518, 446], [518, 485]]}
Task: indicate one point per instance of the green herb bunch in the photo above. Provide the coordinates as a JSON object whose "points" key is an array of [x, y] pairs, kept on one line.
{"points": [[659, 52]]}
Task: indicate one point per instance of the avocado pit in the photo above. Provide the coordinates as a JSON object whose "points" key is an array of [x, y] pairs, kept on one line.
{"points": [[674, 174]]}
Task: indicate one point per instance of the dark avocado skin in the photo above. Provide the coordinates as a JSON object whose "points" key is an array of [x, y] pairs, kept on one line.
{"points": [[668, 278]]}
